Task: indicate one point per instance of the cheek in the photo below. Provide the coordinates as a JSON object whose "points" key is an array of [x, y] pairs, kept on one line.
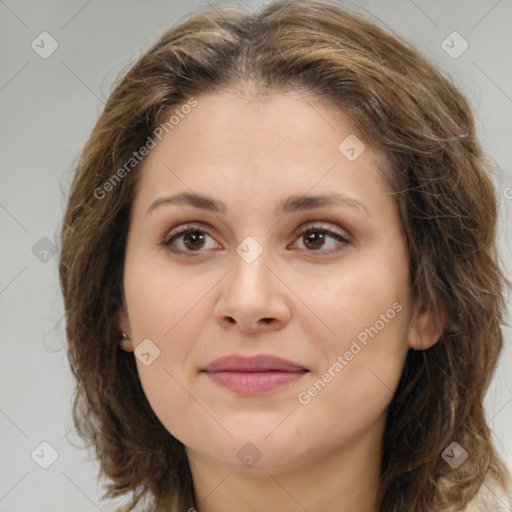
{"points": [[177, 409], [368, 311], [161, 299], [368, 299], [168, 310], [354, 391]]}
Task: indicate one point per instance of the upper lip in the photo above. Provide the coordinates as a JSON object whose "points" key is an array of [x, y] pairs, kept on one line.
{"points": [[259, 363]]}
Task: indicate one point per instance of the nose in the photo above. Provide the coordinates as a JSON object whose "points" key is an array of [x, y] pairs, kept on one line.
{"points": [[252, 298]]}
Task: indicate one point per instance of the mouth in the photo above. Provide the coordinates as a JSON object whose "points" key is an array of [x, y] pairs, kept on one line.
{"points": [[254, 375]]}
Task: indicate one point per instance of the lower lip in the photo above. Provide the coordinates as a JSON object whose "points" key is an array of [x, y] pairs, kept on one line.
{"points": [[255, 383]]}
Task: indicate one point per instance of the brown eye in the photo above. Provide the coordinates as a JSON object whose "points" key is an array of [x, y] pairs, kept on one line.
{"points": [[314, 240], [188, 240], [321, 240], [193, 239]]}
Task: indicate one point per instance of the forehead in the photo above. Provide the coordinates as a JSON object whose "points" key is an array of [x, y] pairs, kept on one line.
{"points": [[287, 142]]}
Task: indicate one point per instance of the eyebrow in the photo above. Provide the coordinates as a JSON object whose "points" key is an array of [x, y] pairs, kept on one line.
{"points": [[291, 204]]}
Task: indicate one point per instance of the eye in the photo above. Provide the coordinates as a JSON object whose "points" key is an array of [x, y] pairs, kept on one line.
{"points": [[189, 239], [320, 239]]}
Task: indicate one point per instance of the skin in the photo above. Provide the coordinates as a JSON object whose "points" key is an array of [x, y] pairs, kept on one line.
{"points": [[293, 301]]}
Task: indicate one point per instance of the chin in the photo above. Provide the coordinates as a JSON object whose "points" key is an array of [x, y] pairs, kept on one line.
{"points": [[254, 456], [258, 450]]}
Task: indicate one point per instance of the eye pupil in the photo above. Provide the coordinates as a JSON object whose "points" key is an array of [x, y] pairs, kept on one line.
{"points": [[314, 240], [192, 238]]}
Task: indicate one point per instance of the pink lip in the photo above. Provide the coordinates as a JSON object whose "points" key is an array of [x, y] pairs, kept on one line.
{"points": [[254, 375]]}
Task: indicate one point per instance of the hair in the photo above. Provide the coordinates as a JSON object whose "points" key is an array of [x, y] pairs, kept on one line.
{"points": [[404, 109]]}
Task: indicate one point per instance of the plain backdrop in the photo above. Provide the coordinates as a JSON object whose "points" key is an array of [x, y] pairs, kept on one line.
{"points": [[49, 106]]}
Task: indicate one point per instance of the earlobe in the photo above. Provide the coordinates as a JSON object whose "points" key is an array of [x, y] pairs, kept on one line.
{"points": [[427, 326], [125, 340]]}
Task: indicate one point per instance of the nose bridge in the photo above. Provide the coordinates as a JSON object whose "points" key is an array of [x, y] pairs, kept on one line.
{"points": [[251, 295], [251, 276]]}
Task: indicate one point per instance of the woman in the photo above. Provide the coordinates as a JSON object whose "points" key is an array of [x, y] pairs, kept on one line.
{"points": [[280, 274]]}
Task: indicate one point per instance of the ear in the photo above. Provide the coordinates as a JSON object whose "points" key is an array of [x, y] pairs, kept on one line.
{"points": [[124, 326], [427, 326]]}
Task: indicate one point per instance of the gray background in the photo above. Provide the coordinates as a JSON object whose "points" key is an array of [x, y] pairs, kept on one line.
{"points": [[48, 107]]}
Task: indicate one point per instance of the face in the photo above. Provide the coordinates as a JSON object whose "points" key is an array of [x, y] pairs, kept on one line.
{"points": [[273, 328]]}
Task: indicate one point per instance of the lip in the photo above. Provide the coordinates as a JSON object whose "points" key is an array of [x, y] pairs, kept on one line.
{"points": [[254, 375], [259, 363]]}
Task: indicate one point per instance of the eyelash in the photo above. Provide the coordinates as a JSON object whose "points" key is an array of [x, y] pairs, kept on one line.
{"points": [[191, 228]]}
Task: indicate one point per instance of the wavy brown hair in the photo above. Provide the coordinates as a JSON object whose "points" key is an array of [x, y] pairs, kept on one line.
{"points": [[401, 107]]}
